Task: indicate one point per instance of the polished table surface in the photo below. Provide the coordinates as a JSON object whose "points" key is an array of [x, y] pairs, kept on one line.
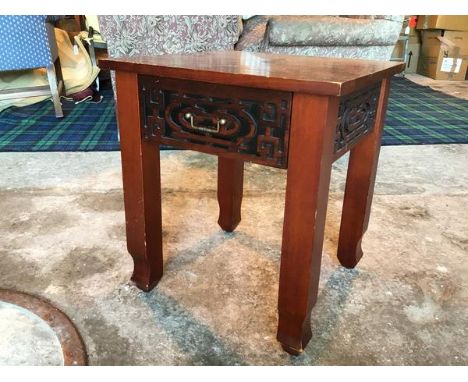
{"points": [[292, 112], [318, 75]]}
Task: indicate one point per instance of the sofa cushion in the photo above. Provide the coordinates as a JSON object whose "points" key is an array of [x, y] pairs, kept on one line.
{"points": [[331, 31], [253, 33], [376, 52]]}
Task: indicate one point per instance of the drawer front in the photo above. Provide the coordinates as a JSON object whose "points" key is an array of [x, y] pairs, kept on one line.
{"points": [[246, 123]]}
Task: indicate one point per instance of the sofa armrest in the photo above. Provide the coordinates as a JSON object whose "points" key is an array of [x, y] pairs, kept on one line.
{"points": [[253, 33]]}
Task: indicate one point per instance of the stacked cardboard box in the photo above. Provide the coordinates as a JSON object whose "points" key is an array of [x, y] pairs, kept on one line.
{"points": [[414, 50], [413, 45], [444, 47], [453, 23], [408, 45]]}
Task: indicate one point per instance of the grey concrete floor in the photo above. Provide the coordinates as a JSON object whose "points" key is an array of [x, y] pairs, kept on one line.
{"points": [[457, 89], [62, 237]]}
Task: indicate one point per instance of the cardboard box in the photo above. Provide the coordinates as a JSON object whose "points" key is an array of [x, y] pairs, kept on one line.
{"points": [[444, 55], [414, 36], [412, 55], [454, 23], [458, 38], [412, 60], [398, 51]]}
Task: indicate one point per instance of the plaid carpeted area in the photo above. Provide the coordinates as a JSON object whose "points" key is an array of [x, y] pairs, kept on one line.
{"points": [[416, 115], [85, 127]]}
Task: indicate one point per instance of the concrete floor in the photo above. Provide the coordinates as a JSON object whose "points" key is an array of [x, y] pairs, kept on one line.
{"points": [[457, 89], [62, 237]]}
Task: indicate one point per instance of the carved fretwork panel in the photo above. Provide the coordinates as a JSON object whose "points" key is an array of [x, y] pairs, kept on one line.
{"points": [[356, 118], [218, 119]]}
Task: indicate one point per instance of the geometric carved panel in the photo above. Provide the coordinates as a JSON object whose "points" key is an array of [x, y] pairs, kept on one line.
{"points": [[253, 123], [356, 117]]}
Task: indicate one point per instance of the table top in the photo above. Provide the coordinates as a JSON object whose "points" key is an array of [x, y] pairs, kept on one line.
{"points": [[317, 75]]}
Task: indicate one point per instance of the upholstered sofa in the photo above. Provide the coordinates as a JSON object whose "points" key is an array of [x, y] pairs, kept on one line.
{"points": [[371, 37], [367, 37], [170, 34]]}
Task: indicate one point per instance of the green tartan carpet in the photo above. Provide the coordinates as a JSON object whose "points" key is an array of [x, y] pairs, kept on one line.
{"points": [[417, 115], [85, 127]]}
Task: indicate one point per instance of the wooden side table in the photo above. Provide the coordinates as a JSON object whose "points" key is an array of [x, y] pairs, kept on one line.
{"points": [[293, 112]]}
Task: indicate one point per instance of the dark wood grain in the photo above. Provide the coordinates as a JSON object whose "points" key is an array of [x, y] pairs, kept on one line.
{"points": [[317, 75], [310, 160], [141, 184], [230, 188], [362, 169]]}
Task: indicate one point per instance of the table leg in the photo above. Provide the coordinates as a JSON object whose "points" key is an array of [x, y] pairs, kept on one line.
{"points": [[142, 188], [230, 187], [311, 144], [359, 190]]}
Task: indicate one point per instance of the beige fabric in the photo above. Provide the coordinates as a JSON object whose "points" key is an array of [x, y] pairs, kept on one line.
{"points": [[77, 69]]}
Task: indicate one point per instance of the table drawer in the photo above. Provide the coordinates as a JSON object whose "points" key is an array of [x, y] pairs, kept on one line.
{"points": [[245, 123]]}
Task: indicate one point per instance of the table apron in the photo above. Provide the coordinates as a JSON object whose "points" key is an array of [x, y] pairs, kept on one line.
{"points": [[237, 122], [250, 124]]}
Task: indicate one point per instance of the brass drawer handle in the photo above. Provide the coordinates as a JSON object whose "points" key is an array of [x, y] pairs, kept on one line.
{"points": [[210, 129]]}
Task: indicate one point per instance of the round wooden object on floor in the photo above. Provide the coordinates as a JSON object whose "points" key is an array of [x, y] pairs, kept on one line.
{"points": [[73, 349]]}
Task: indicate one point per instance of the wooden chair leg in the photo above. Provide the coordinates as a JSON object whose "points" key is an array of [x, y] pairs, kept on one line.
{"points": [[230, 188], [359, 190], [55, 89], [308, 180], [142, 187]]}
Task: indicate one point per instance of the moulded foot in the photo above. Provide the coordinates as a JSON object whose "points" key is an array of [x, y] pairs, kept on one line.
{"points": [[349, 258]]}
